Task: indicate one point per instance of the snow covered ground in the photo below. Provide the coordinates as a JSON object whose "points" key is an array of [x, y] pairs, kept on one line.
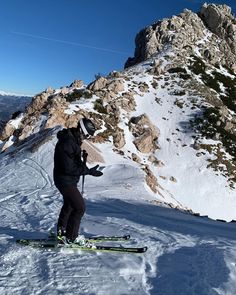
{"points": [[186, 254]]}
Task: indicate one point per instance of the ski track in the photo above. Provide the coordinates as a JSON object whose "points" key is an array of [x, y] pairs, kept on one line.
{"points": [[176, 262], [186, 254]]}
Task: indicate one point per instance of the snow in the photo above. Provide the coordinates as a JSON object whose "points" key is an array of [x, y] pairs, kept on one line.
{"points": [[16, 122], [87, 104], [186, 254], [3, 93], [197, 187]]}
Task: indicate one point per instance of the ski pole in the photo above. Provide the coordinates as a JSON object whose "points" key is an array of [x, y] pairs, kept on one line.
{"points": [[84, 156]]}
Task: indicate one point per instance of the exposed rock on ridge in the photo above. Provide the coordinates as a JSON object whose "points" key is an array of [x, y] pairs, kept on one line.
{"points": [[183, 32]]}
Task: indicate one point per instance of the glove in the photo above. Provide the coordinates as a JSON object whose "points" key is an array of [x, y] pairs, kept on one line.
{"points": [[94, 172]]}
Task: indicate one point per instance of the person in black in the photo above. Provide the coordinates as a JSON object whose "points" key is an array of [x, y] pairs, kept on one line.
{"points": [[68, 167]]}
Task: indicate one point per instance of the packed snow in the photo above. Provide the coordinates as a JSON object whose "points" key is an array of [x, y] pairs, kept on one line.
{"points": [[186, 254]]}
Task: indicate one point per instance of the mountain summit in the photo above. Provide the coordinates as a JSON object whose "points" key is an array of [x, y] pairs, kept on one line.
{"points": [[171, 114], [212, 31]]}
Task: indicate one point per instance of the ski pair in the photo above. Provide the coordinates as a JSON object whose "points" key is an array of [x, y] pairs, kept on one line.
{"points": [[100, 238], [52, 243]]}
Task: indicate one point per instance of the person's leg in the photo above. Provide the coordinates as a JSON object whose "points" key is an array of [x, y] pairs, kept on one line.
{"points": [[64, 215], [77, 204]]}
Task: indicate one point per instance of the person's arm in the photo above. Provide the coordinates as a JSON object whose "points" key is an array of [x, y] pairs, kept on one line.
{"points": [[68, 162]]}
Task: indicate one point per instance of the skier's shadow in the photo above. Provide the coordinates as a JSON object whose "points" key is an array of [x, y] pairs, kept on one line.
{"points": [[14, 234]]}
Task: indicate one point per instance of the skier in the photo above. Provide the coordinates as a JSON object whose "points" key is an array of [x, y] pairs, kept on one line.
{"points": [[68, 167]]}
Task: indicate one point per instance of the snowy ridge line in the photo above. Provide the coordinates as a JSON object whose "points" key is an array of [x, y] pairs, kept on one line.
{"points": [[187, 211]]}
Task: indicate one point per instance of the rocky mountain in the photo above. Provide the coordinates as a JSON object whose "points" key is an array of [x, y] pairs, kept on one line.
{"points": [[171, 112], [10, 103]]}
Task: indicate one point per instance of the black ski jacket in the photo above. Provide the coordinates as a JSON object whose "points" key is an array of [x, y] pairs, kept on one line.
{"points": [[68, 166]]}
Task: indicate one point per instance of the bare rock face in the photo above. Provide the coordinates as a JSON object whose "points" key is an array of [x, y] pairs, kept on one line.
{"points": [[56, 110], [186, 31], [49, 90], [7, 131], [116, 86], [38, 103], [219, 20], [118, 138], [179, 31], [77, 84], [151, 179], [144, 143], [126, 101], [145, 133], [98, 84]]}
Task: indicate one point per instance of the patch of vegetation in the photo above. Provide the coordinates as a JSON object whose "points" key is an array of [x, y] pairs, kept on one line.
{"points": [[182, 73], [197, 66], [106, 133], [98, 106], [77, 94], [229, 99], [178, 92], [213, 80], [177, 70], [184, 76], [209, 127]]}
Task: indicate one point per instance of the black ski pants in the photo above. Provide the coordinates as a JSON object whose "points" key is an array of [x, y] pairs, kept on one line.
{"points": [[72, 211]]}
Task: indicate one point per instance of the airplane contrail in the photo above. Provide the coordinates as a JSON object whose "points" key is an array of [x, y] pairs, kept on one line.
{"points": [[69, 42]]}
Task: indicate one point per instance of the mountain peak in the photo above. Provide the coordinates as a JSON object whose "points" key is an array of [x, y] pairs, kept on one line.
{"points": [[183, 33]]}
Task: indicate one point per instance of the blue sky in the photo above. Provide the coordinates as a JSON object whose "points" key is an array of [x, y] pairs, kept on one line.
{"points": [[53, 42]]}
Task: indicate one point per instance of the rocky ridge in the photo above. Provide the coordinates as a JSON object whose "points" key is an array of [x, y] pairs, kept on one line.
{"points": [[188, 60], [214, 23]]}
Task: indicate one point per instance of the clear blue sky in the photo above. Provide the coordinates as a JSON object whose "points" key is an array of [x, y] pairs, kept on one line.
{"points": [[53, 42]]}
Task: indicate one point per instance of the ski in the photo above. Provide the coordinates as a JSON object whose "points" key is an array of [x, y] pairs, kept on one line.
{"points": [[106, 248], [53, 244], [108, 238], [100, 238]]}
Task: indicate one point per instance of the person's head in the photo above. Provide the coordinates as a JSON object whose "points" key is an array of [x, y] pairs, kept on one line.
{"points": [[86, 127]]}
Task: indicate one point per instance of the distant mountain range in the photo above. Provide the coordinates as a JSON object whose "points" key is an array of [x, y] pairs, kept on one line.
{"points": [[10, 103]]}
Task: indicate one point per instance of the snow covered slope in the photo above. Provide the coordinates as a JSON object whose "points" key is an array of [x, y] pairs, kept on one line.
{"points": [[182, 165], [172, 114], [165, 138], [186, 254]]}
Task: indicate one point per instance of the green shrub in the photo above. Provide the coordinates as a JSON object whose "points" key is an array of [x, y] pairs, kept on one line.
{"points": [[197, 66], [177, 70], [208, 126], [98, 106], [77, 94]]}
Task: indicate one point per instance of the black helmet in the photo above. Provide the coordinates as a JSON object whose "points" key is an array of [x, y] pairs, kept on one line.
{"points": [[87, 127]]}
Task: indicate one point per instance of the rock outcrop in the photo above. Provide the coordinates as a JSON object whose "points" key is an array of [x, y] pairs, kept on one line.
{"points": [[183, 32], [145, 133]]}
